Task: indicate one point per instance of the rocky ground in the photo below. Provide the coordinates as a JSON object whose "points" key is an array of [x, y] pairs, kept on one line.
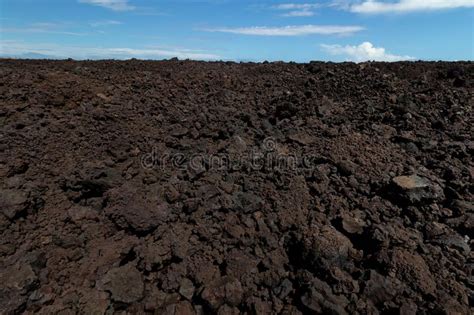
{"points": [[182, 187]]}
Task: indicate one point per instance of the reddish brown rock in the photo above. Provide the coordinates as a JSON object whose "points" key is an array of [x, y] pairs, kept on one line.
{"points": [[225, 290], [135, 211], [124, 283], [102, 211]]}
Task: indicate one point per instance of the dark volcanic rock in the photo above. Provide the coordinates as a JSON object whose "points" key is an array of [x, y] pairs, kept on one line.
{"points": [[225, 290], [325, 247], [319, 299], [415, 189], [184, 187], [12, 202], [380, 289], [125, 284], [247, 202], [133, 211], [16, 281]]}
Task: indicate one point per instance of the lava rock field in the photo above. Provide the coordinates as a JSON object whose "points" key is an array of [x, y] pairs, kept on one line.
{"points": [[184, 187]]}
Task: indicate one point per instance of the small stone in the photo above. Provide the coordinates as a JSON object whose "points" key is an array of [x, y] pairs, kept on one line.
{"points": [[228, 310], [455, 241], [240, 263], [66, 241], [408, 308], [17, 167], [79, 213], [226, 290], [150, 179], [43, 295], [462, 206], [190, 205], [195, 169], [346, 167], [379, 289], [412, 269], [326, 247], [94, 302], [415, 189], [411, 182], [7, 249], [124, 283], [75, 254], [187, 289], [57, 101], [178, 130], [19, 277], [103, 97], [17, 281], [325, 106], [172, 194], [12, 202], [353, 225], [247, 202], [180, 308], [237, 145], [319, 299], [14, 181], [139, 213], [301, 138], [284, 289], [411, 147]]}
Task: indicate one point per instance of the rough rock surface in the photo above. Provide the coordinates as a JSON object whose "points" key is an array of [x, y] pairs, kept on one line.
{"points": [[415, 189], [182, 187], [124, 284]]}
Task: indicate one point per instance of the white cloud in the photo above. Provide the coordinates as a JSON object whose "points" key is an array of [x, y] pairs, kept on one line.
{"points": [[299, 13], [404, 6], [363, 52], [342, 4], [297, 6], [292, 30], [47, 28], [19, 48], [45, 25], [297, 9], [104, 23], [150, 53], [116, 5]]}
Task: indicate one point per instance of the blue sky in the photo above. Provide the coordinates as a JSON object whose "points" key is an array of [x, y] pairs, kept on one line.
{"points": [[335, 30]]}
